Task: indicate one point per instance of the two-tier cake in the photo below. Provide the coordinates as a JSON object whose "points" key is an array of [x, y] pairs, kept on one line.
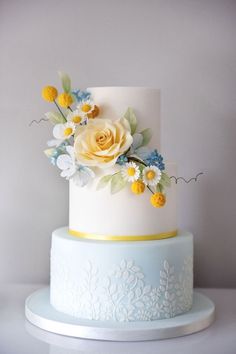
{"points": [[122, 258]]}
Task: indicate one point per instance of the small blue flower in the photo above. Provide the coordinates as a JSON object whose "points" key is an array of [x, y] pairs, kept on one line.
{"points": [[81, 95], [122, 159], [155, 159]]}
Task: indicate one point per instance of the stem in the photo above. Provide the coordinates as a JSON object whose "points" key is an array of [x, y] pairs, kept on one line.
{"points": [[137, 160], [70, 108], [150, 189], [116, 173], [59, 109]]}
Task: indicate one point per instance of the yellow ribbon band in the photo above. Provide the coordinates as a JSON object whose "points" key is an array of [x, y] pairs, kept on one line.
{"points": [[96, 237]]}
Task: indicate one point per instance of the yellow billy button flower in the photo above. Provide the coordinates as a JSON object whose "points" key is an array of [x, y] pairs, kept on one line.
{"points": [[158, 200], [65, 100], [138, 187], [49, 93]]}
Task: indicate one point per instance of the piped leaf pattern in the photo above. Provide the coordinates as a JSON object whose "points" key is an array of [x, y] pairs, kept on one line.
{"points": [[123, 294]]}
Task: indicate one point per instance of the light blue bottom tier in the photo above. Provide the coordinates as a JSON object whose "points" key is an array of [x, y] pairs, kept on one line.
{"points": [[121, 281]]}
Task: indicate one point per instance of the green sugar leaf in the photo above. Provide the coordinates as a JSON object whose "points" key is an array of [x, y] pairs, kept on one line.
{"points": [[159, 188], [117, 183], [65, 81], [55, 117], [165, 180], [104, 181], [49, 152], [147, 135], [131, 118]]}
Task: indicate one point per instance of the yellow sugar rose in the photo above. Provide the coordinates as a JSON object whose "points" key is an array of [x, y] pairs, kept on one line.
{"points": [[102, 141]]}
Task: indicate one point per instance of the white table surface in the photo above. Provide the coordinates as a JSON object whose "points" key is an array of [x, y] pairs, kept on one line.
{"points": [[18, 336]]}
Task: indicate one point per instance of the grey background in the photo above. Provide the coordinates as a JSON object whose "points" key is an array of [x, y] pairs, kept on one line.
{"points": [[187, 48]]}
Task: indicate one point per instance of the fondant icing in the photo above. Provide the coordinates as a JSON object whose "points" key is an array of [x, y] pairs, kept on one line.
{"points": [[121, 281]]}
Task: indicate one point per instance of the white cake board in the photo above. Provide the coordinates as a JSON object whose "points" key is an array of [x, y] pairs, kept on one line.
{"points": [[39, 311]]}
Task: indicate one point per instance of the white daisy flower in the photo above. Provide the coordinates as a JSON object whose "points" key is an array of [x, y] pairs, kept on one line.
{"points": [[76, 117], [151, 175], [88, 108], [85, 106], [131, 172], [63, 131]]}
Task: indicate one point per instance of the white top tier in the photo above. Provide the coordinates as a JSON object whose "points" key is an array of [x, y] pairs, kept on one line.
{"points": [[123, 214], [114, 101]]}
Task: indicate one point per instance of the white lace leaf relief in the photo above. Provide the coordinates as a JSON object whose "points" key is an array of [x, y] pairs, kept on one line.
{"points": [[123, 294]]}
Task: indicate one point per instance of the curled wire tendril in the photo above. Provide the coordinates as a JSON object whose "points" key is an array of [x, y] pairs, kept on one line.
{"points": [[38, 121], [187, 180]]}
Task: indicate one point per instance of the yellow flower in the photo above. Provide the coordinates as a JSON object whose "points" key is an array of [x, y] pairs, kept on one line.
{"points": [[138, 187], [102, 141], [158, 200], [65, 99], [94, 113], [49, 93]]}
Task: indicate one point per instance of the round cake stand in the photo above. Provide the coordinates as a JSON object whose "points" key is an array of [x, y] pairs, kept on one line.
{"points": [[39, 312]]}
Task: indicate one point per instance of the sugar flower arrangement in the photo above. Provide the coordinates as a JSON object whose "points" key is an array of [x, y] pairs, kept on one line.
{"points": [[84, 142]]}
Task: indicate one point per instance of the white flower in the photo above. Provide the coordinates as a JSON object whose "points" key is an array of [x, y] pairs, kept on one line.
{"points": [[88, 108], [63, 131], [54, 142], [131, 172], [66, 163], [80, 174], [83, 176], [151, 175], [76, 117], [85, 107]]}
